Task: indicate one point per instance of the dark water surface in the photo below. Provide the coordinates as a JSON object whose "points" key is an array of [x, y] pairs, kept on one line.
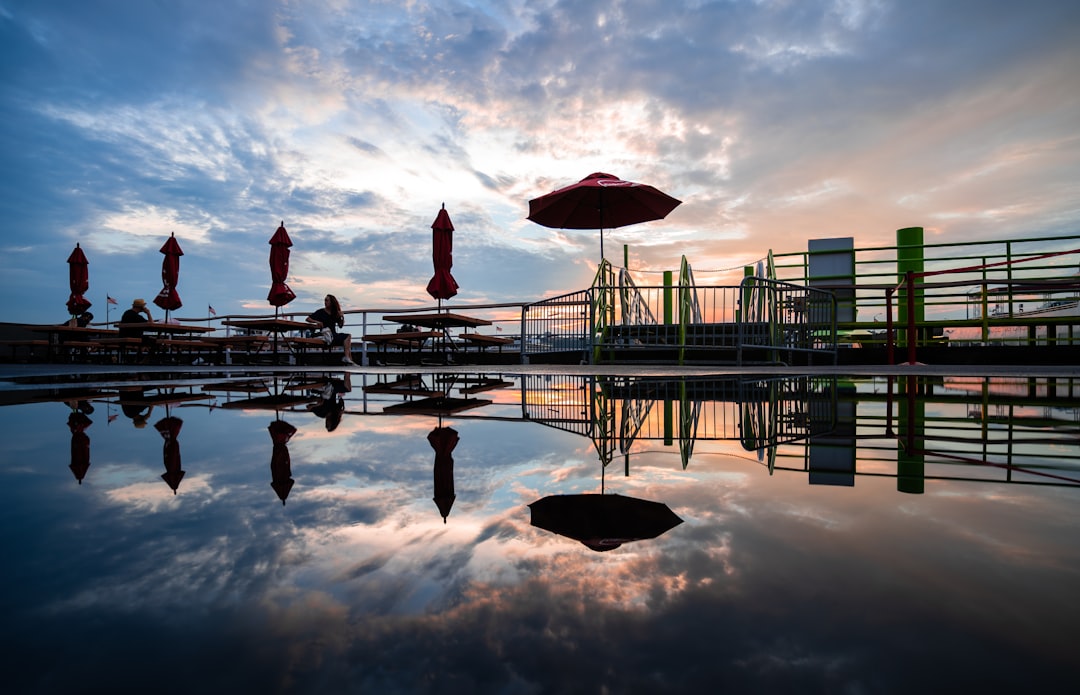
{"points": [[836, 535]]}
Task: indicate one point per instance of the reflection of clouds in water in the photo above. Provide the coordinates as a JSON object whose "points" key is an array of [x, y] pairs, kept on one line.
{"points": [[154, 497], [770, 584]]}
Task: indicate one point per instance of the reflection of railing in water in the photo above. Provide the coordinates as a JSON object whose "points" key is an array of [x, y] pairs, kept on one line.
{"points": [[618, 411], [827, 427], [929, 429], [914, 429]]}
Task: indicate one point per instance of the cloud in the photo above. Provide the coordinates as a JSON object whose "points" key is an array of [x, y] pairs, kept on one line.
{"points": [[774, 122]]}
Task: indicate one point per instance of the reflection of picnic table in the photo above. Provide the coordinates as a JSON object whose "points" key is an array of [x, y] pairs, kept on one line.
{"points": [[485, 385], [409, 385], [277, 401], [435, 405], [138, 397]]}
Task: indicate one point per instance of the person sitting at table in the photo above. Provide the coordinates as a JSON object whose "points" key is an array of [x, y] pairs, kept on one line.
{"points": [[135, 315], [81, 321], [332, 317]]}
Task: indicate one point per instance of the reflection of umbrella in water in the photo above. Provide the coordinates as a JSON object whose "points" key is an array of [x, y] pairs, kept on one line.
{"points": [[78, 281], [280, 294], [280, 461], [443, 440], [601, 201], [603, 522], [442, 285], [169, 427], [168, 299], [80, 444]]}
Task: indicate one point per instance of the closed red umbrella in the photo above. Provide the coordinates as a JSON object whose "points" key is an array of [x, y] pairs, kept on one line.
{"points": [[280, 243], [169, 428], [442, 285], [79, 282], [280, 460], [167, 298], [601, 201], [443, 440]]}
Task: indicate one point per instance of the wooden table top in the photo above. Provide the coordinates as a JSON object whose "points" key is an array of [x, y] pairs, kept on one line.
{"points": [[412, 336], [438, 320], [272, 325], [162, 328], [64, 329]]}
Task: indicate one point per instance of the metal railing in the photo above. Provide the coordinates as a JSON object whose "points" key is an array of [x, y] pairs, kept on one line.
{"points": [[978, 292]]}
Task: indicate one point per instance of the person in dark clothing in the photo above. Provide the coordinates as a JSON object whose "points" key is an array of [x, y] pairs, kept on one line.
{"points": [[82, 320], [332, 317], [136, 315]]}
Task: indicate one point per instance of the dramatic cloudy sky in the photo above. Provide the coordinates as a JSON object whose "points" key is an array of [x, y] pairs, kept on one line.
{"points": [[774, 121]]}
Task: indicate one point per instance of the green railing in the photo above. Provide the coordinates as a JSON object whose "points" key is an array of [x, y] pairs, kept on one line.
{"points": [[1010, 291]]}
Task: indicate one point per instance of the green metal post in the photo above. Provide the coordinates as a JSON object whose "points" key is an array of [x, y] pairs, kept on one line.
{"points": [[667, 298], [909, 258]]}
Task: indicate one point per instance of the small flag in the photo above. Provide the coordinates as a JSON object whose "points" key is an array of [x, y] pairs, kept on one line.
{"points": [[498, 329], [110, 300], [211, 310], [113, 417]]}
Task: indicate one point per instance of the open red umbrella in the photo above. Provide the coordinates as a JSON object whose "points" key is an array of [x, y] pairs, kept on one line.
{"points": [[443, 440], [280, 460], [169, 428], [167, 298], [280, 294], [79, 281], [442, 285], [601, 201]]}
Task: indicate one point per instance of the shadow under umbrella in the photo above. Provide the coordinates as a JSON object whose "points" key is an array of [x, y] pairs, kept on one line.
{"points": [[80, 444], [603, 521], [169, 428], [280, 462]]}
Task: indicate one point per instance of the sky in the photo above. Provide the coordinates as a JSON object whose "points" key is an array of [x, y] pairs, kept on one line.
{"points": [[352, 122]]}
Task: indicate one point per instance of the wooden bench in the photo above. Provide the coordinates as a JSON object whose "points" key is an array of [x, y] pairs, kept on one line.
{"points": [[406, 340], [484, 341], [242, 345], [31, 346], [118, 345]]}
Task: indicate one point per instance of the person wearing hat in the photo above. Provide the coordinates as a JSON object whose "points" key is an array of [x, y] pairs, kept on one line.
{"points": [[135, 315]]}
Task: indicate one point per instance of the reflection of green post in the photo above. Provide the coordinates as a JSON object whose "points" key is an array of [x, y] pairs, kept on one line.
{"points": [[669, 421], [910, 458], [909, 257]]}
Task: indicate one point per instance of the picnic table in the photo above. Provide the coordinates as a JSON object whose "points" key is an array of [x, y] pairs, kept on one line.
{"points": [[438, 325], [274, 326], [62, 336]]}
